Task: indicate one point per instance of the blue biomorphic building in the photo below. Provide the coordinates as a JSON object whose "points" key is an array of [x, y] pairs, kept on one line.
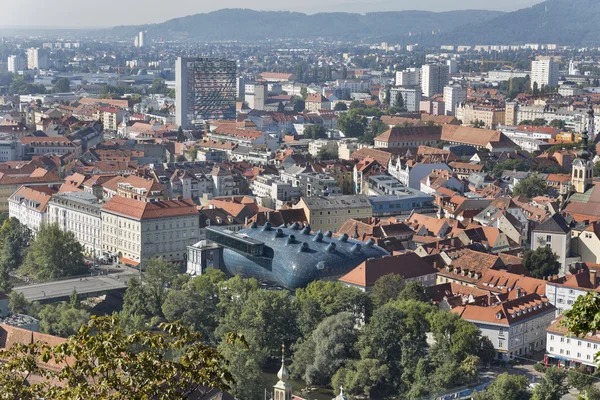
{"points": [[291, 257]]}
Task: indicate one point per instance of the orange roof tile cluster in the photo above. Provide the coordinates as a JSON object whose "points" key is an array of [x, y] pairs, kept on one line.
{"points": [[509, 312], [234, 132], [39, 199], [411, 134], [475, 136], [506, 282], [409, 265], [150, 210], [382, 157]]}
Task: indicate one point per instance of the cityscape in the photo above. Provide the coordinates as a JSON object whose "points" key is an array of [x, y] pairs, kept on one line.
{"points": [[354, 201]]}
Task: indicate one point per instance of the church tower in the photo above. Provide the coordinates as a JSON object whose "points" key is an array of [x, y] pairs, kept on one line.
{"points": [[283, 389], [583, 168], [591, 125]]}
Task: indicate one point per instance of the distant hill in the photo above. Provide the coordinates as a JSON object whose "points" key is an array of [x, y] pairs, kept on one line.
{"points": [[563, 22], [248, 25]]}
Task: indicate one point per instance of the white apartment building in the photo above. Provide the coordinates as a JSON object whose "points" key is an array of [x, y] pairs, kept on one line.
{"points": [[271, 192], [544, 73], [452, 66], [138, 231], [314, 146], [80, 213], [565, 291], [255, 95], [556, 234], [37, 59], [409, 77], [566, 350], [453, 95], [433, 79], [410, 96], [574, 120], [353, 85], [10, 150], [15, 64], [516, 327], [29, 205]]}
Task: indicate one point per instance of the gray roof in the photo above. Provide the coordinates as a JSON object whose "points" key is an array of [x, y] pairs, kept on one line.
{"points": [[337, 202], [554, 224]]}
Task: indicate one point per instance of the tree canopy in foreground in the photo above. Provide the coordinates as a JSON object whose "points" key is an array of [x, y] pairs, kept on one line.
{"points": [[102, 362]]}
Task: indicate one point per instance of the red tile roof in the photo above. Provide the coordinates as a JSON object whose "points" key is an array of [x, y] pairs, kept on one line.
{"points": [[409, 265], [150, 210]]}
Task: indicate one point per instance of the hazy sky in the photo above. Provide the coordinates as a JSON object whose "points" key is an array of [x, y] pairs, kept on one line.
{"points": [[94, 13]]}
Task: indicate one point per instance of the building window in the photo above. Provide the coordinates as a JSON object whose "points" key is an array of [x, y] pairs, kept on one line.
{"points": [[500, 343], [551, 348], [548, 238]]}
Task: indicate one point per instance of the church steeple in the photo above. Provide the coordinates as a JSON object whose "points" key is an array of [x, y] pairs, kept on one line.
{"points": [[591, 124], [283, 389], [583, 168]]}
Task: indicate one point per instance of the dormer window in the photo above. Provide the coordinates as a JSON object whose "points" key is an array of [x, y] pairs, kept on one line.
{"points": [[499, 315]]}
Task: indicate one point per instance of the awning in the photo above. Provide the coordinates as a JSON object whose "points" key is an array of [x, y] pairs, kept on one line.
{"points": [[129, 262]]}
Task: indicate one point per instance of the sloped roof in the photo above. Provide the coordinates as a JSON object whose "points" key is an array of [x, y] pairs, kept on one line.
{"points": [[409, 265], [150, 210], [554, 224]]}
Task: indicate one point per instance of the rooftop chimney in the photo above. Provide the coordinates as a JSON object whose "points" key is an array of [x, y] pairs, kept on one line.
{"points": [[593, 277]]}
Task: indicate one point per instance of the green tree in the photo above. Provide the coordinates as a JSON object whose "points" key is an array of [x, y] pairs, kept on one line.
{"points": [[53, 254], [315, 132], [388, 97], [478, 124], [557, 123], [298, 103], [17, 303], [322, 299], [387, 288], [580, 379], [107, 363], [340, 106], [352, 124], [509, 165], [552, 385], [158, 87], [14, 239], [361, 377], [399, 102], [395, 336], [244, 364], [267, 320], [62, 319], [329, 348], [136, 312], [536, 89], [180, 135], [597, 168], [531, 187], [161, 276], [326, 154], [303, 92], [171, 93], [74, 299], [505, 387], [62, 85], [541, 262], [582, 318], [413, 290]]}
